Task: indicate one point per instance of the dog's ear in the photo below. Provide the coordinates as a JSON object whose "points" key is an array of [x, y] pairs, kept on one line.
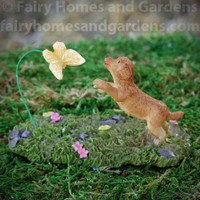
{"points": [[126, 72], [131, 66]]}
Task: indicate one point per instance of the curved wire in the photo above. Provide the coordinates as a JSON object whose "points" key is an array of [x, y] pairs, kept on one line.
{"points": [[18, 85]]}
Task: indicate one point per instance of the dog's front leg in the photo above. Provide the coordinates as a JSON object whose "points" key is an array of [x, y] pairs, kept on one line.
{"points": [[107, 87]]}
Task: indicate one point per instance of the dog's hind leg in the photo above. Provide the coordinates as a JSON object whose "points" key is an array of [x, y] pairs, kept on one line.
{"points": [[157, 130], [166, 126]]}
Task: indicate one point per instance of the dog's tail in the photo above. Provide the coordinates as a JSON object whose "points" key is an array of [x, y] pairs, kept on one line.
{"points": [[175, 115]]}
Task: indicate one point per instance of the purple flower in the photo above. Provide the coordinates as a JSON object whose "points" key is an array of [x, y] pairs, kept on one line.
{"points": [[55, 117]]}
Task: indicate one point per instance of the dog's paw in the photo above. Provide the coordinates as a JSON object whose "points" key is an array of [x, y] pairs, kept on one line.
{"points": [[98, 83], [100, 91]]}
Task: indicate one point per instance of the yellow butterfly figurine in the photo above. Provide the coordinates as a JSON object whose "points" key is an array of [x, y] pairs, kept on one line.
{"points": [[60, 58]]}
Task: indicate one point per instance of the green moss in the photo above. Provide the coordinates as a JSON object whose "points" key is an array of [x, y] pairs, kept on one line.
{"points": [[121, 145]]}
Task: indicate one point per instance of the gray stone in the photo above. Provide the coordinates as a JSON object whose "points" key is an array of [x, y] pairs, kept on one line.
{"points": [[167, 153], [17, 135], [118, 118], [14, 134], [82, 136], [108, 122], [25, 134], [13, 142]]}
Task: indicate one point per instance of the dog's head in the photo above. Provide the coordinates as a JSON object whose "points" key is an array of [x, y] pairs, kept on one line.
{"points": [[121, 68]]}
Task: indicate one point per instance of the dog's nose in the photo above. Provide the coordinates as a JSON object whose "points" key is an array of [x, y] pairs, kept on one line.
{"points": [[107, 56]]}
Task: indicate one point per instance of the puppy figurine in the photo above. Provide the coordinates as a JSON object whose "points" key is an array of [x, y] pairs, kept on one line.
{"points": [[132, 100]]}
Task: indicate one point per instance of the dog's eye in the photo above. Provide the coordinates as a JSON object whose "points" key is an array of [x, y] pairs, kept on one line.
{"points": [[118, 61]]}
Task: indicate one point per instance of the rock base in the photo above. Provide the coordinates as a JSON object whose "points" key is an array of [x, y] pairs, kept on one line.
{"points": [[126, 142]]}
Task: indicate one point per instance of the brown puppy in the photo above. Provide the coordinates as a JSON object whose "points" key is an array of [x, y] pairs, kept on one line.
{"points": [[132, 100]]}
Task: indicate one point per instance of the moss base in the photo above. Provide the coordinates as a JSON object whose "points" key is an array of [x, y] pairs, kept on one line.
{"points": [[125, 143]]}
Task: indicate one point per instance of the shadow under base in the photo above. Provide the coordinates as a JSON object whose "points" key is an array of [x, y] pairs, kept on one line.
{"points": [[124, 143]]}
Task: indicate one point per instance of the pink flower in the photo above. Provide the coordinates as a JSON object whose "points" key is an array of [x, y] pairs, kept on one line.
{"points": [[83, 153], [173, 122], [55, 117], [77, 146]]}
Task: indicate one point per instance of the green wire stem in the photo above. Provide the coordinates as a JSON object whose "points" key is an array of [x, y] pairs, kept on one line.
{"points": [[18, 85]]}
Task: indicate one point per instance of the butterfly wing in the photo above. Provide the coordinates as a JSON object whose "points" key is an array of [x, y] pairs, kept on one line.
{"points": [[56, 69], [72, 58], [59, 49], [50, 57]]}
